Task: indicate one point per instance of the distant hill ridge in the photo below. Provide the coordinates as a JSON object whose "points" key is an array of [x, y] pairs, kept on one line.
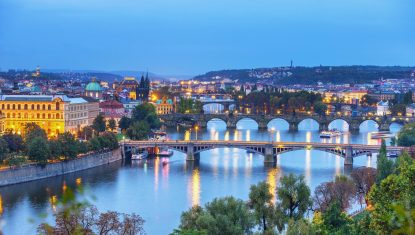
{"points": [[311, 75]]}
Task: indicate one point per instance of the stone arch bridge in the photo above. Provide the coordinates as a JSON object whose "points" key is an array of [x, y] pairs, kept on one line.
{"points": [[201, 120], [270, 150]]}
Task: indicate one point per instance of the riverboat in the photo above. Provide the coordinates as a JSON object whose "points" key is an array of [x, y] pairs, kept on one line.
{"points": [[330, 133]]}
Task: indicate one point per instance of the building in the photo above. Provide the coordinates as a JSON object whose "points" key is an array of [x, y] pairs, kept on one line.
{"points": [[47, 111], [382, 108], [164, 106], [79, 113], [410, 110], [93, 89], [112, 109], [379, 96], [129, 105], [143, 91]]}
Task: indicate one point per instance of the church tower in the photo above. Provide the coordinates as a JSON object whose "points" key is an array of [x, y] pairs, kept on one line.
{"points": [[143, 90]]}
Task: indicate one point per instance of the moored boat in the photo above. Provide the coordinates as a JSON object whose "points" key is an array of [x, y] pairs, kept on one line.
{"points": [[139, 156]]}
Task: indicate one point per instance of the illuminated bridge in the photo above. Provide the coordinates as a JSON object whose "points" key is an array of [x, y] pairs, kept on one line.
{"points": [[270, 150]]}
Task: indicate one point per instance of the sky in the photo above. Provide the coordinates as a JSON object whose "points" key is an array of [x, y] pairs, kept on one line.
{"points": [[190, 37]]}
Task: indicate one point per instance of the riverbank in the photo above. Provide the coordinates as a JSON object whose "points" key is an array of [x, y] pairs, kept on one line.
{"points": [[35, 172]]}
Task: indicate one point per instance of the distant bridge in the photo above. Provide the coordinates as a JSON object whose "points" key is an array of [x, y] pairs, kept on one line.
{"points": [[201, 120], [270, 150]]}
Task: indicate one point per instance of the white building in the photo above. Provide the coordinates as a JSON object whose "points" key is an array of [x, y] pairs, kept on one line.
{"points": [[80, 112], [382, 108]]}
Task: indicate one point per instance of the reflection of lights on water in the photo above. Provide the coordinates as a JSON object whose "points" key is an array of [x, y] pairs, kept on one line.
{"points": [[308, 136], [369, 161], [1, 205], [166, 168], [248, 135], [53, 200], [78, 181], [194, 187], [338, 167], [272, 181], [156, 173], [235, 165], [278, 136], [64, 187], [248, 163], [236, 135], [145, 167], [226, 135], [307, 169], [187, 135]]}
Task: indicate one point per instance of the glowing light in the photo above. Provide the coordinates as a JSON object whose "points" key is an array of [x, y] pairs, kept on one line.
{"points": [[1, 205], [195, 187], [307, 173], [272, 181], [78, 181]]}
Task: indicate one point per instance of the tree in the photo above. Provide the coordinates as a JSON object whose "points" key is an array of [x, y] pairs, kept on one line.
{"points": [[124, 123], [368, 100], [86, 133], [14, 142], [363, 178], [398, 109], [385, 167], [320, 108], [394, 192], [146, 112], [301, 226], [32, 130], [260, 200], [139, 130], [38, 150], [407, 98], [341, 190], [99, 123], [68, 145], [75, 217], [112, 124], [294, 196], [221, 216], [335, 221], [406, 136], [4, 149]]}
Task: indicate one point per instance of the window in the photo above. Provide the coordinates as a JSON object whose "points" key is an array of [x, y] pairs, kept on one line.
{"points": [[43, 116], [18, 106], [25, 106], [57, 106], [49, 107], [43, 107], [38, 116], [14, 107], [8, 106], [38, 107]]}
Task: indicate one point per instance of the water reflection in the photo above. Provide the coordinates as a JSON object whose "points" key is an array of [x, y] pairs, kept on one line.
{"points": [[272, 178], [194, 188]]}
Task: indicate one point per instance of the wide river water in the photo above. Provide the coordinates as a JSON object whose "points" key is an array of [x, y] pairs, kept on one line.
{"points": [[160, 192]]}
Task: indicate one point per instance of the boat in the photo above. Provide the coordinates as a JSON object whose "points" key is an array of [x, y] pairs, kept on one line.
{"points": [[139, 156], [165, 153], [330, 133], [159, 135], [381, 135], [392, 155]]}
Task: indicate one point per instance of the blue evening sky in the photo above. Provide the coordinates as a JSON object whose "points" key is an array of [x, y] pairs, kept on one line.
{"points": [[189, 37]]}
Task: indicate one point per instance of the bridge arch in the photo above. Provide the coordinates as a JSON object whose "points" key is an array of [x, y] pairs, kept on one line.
{"points": [[369, 125], [209, 108], [278, 124], [335, 123], [250, 123], [216, 123], [314, 125]]}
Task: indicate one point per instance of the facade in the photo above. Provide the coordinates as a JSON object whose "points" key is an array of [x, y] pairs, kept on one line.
{"points": [[410, 110], [164, 106], [382, 108], [129, 105], [379, 96], [112, 109], [47, 111], [79, 113], [94, 90]]}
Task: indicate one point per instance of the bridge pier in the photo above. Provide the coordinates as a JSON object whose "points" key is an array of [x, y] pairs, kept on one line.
{"points": [[323, 126], [384, 126], [190, 154], [348, 158], [262, 125], [231, 124], [293, 126], [269, 156]]}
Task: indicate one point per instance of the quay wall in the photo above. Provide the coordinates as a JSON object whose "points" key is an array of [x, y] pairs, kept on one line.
{"points": [[32, 172]]}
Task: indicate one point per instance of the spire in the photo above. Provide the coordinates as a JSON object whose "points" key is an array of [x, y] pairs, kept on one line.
{"points": [[147, 84], [142, 82]]}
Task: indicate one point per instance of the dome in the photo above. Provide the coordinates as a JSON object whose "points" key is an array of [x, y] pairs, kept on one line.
{"points": [[93, 86]]}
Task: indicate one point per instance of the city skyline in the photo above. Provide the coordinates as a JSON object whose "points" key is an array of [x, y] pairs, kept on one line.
{"points": [[168, 39]]}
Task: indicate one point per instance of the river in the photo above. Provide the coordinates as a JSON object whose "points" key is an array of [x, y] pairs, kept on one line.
{"points": [[160, 192]]}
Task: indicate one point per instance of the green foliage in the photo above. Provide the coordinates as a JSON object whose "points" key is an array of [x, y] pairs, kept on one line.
{"points": [[260, 200], [124, 123], [407, 98], [335, 221], [38, 150], [112, 124], [406, 136], [225, 216], [398, 109], [32, 130], [138, 130], [188, 105], [14, 141], [301, 226], [68, 145], [368, 100], [86, 133], [99, 123], [385, 166], [320, 108], [394, 192], [294, 196], [15, 160], [146, 112], [4, 149]]}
